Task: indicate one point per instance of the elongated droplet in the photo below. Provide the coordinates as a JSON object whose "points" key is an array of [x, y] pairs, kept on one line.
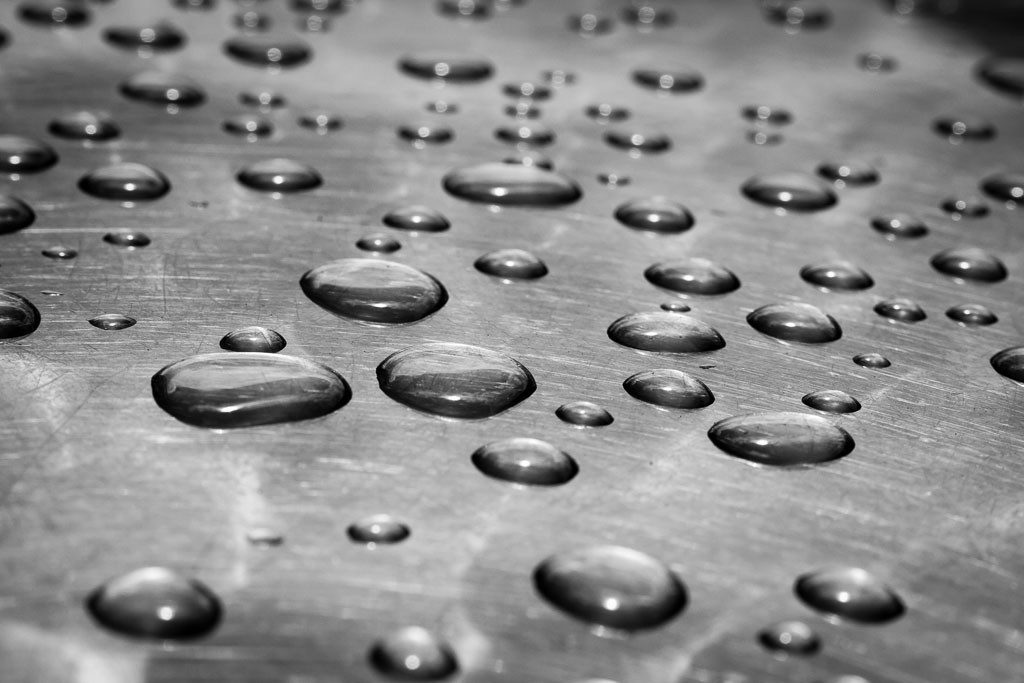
{"points": [[849, 173], [790, 191], [972, 315], [254, 339], [527, 90], [902, 309], [84, 125], [511, 184], [455, 380], [876, 63], [322, 122], [268, 50], [155, 602], [655, 214], [692, 276], [763, 113], [127, 238], [525, 135], [413, 654], [378, 530], [525, 461], [611, 586], [159, 37], [837, 275], [669, 388], [795, 15], [969, 263], [18, 317], [795, 322], [831, 401], [112, 321], [227, 390], [666, 332], [1007, 187], [55, 13], [871, 360], [279, 175], [156, 87], [20, 154], [673, 81], [1010, 363], [60, 252], [14, 214], [511, 264], [849, 593], [607, 113], [126, 181], [426, 133], [781, 439], [417, 217], [964, 207], [638, 141], [645, 15], [1003, 74], [262, 99], [960, 128], [374, 291], [249, 126], [790, 638], [454, 69], [378, 243], [584, 414], [899, 226]]}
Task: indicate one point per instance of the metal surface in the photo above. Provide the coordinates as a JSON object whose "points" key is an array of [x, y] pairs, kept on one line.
{"points": [[98, 480]]}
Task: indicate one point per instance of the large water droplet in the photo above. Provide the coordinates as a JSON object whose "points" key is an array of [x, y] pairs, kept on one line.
{"points": [[14, 214], [666, 332], [279, 175], [511, 264], [849, 593], [374, 291], [254, 339], [611, 586], [378, 530], [781, 439], [55, 13], [1006, 187], [1010, 363], [790, 191], [418, 218], [840, 275], [795, 322], [669, 388], [446, 67], [971, 315], [18, 317], [1004, 74], [692, 276], [226, 390], [960, 128], [126, 182], [584, 414], [902, 309], [871, 360], [156, 87], [790, 638], [831, 401], [84, 125], [511, 184], [25, 155], [155, 602], [268, 50], [969, 263], [413, 653], [853, 173], [525, 461], [455, 380], [638, 141], [899, 226], [112, 321], [158, 37], [680, 81], [127, 238], [655, 214]]}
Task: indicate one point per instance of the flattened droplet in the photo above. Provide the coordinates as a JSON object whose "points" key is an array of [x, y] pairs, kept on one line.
{"points": [[899, 226], [611, 586], [972, 315], [669, 388], [84, 125], [253, 339], [841, 275], [790, 191], [960, 128], [655, 214], [871, 360], [831, 401], [638, 141], [14, 214], [969, 263], [673, 81], [584, 414], [964, 207], [849, 593], [417, 217], [249, 126], [790, 638], [511, 264], [1010, 363], [795, 322], [127, 238], [378, 530], [511, 184], [607, 113], [159, 37], [374, 291], [279, 175], [378, 243], [112, 321], [763, 113], [455, 380], [55, 13], [228, 390], [60, 252], [666, 332], [413, 654], [18, 317], [451, 68], [533, 135], [322, 122], [852, 173], [268, 50], [1003, 74], [1007, 187], [20, 154], [781, 439], [126, 182], [902, 309], [156, 87], [692, 276], [525, 461]]}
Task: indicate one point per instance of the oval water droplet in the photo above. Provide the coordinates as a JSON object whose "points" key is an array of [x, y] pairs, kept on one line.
{"points": [[532, 135], [841, 275], [969, 263], [454, 69], [60, 252], [264, 537], [795, 322], [613, 179], [781, 439], [378, 243], [673, 81], [871, 360], [253, 339], [322, 122], [263, 99], [675, 307], [374, 291], [849, 173], [14, 214], [426, 133], [511, 185], [655, 214], [84, 125], [790, 638], [18, 317], [1010, 363], [1003, 74], [692, 276], [239, 389], [54, 13], [665, 332], [611, 586], [831, 401], [127, 238], [644, 15], [417, 218], [112, 321], [378, 530], [511, 264], [325, 6], [159, 37], [902, 309], [877, 63], [156, 87], [797, 14], [268, 50], [455, 380], [849, 593], [899, 226], [126, 182], [761, 137], [249, 126], [669, 388], [763, 113], [590, 24], [964, 207], [529, 158], [251, 20], [472, 9], [279, 175], [442, 107], [960, 128], [638, 141], [584, 414], [20, 154], [607, 113], [531, 462], [413, 653], [972, 315], [790, 191], [527, 89], [524, 109], [155, 602], [1006, 187]]}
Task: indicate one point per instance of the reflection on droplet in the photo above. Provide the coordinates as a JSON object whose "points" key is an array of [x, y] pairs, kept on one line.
{"points": [[904, 310], [264, 537], [1007, 187], [25, 155], [14, 214], [426, 133], [584, 414], [55, 13], [969, 263], [666, 332], [279, 175], [264, 99], [268, 50], [781, 439], [239, 389], [871, 360], [876, 63], [669, 388], [837, 275], [413, 654], [446, 67], [532, 135], [378, 243], [668, 80], [112, 321], [791, 191], [638, 141], [126, 182], [248, 125], [254, 339], [512, 264], [960, 128], [1004, 74], [899, 226], [455, 380], [60, 252], [972, 315], [321, 121], [790, 638], [763, 113], [644, 15], [525, 461], [473, 9], [416, 218], [84, 125], [18, 317], [378, 530], [797, 14], [852, 173], [795, 322], [589, 24], [158, 37], [1010, 363], [692, 276], [127, 238], [655, 214], [965, 207], [849, 593], [511, 184], [831, 401], [611, 586], [614, 179], [607, 113], [374, 291], [156, 87]]}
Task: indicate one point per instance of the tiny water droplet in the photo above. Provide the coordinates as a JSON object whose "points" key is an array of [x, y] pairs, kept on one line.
{"points": [[1003, 74], [84, 125], [638, 141], [413, 654], [644, 15], [849, 173], [611, 586], [904, 310], [156, 87], [871, 360], [655, 214], [1007, 187], [127, 238], [417, 218], [525, 461], [795, 322], [669, 388], [692, 276], [899, 226], [511, 184], [1010, 363], [797, 14], [530, 158], [14, 214], [790, 638], [965, 207], [279, 175], [960, 128], [126, 182], [584, 414], [559, 77], [378, 530], [159, 37], [60, 252], [764, 138], [18, 316], [264, 537], [251, 20], [249, 126], [849, 593], [665, 332], [791, 191], [473, 9], [112, 321], [840, 275], [781, 439], [426, 133], [196, 5], [326, 6], [969, 263], [263, 99], [679, 81], [321, 121], [20, 154], [511, 264], [831, 401], [876, 63], [589, 24], [254, 339], [55, 13], [454, 69], [527, 89], [972, 315], [607, 113], [614, 179], [532, 135], [49, 292], [378, 243], [675, 307], [763, 113], [442, 107]]}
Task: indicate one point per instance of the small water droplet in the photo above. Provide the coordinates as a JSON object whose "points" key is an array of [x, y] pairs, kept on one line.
{"points": [[678, 81], [264, 537], [781, 439], [876, 63], [837, 275], [607, 113], [612, 179], [590, 24], [426, 133], [159, 37], [1006, 187], [675, 307], [126, 182], [559, 77], [791, 191], [195, 5], [60, 252], [155, 602], [797, 14], [374, 291], [14, 214], [511, 184], [764, 138], [511, 264], [965, 207], [251, 20], [442, 107], [849, 173], [279, 175], [960, 128], [112, 321], [795, 322], [971, 315], [378, 530], [455, 380], [532, 135], [692, 276], [253, 339], [790, 638], [55, 13], [1010, 363], [525, 461], [249, 126], [321, 121], [530, 158], [127, 238], [904, 310], [416, 218], [669, 388], [20, 154], [655, 214], [871, 360], [527, 89], [644, 15], [899, 226], [451, 68], [239, 389], [584, 414], [969, 263], [84, 125], [831, 401], [156, 87], [49, 292], [849, 593], [611, 586], [325, 6], [18, 317], [665, 332], [638, 141], [378, 243], [1004, 74], [472, 9], [263, 99], [763, 113], [413, 653]]}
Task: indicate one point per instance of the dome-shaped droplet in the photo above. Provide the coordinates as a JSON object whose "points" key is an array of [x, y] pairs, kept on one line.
{"points": [[155, 602], [455, 380], [450, 68], [378, 530], [795, 322], [645, 15], [834, 275], [533, 135], [268, 50], [263, 99], [511, 264], [790, 638], [763, 113], [1004, 74], [899, 226], [1006, 187], [126, 182], [969, 263], [675, 307], [248, 126], [527, 89], [159, 37], [1010, 363], [127, 238], [831, 401], [972, 315], [418, 218], [378, 243], [852, 173], [849, 593], [156, 87], [18, 317], [655, 214], [781, 439], [472, 9], [73, 13], [60, 252], [964, 207], [611, 586], [607, 113], [511, 184], [638, 141], [669, 388], [426, 133], [227, 390], [902, 309], [666, 332], [668, 80], [14, 214], [584, 414], [279, 175], [525, 461], [590, 24], [322, 122], [253, 339], [877, 63], [692, 276], [84, 125], [19, 154], [112, 321], [871, 360], [790, 191], [797, 14], [960, 128], [413, 654], [374, 291]]}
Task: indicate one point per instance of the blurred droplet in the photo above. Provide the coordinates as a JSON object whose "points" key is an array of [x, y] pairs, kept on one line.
{"points": [[849, 593]]}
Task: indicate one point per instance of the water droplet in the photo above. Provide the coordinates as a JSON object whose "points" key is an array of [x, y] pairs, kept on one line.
{"points": [[511, 264], [589, 24], [378, 530], [321, 121], [607, 113], [675, 307], [442, 107], [18, 317], [665, 332], [1004, 74], [797, 14], [1010, 363], [681, 81], [966, 207], [195, 5], [249, 126], [900, 309], [871, 360], [790, 638], [692, 276], [852, 173], [251, 20], [416, 218], [795, 322], [374, 291], [378, 243], [527, 89], [638, 141], [1006, 187], [413, 653], [584, 414], [60, 252], [84, 125], [453, 69], [899, 226], [473, 9], [455, 380], [25, 155], [849, 593], [525, 461], [840, 275], [876, 63], [669, 388], [530, 158], [969, 263], [511, 184], [55, 13], [325, 6], [760, 137], [165, 89], [155, 602], [279, 175], [791, 191], [14, 214], [49, 292], [127, 238], [614, 179], [655, 214], [227, 390], [559, 77], [112, 321], [611, 586], [971, 315], [426, 133], [264, 99], [781, 439], [254, 339], [960, 128], [264, 537], [159, 37], [762, 113], [126, 182], [831, 401], [535, 135], [645, 15]]}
